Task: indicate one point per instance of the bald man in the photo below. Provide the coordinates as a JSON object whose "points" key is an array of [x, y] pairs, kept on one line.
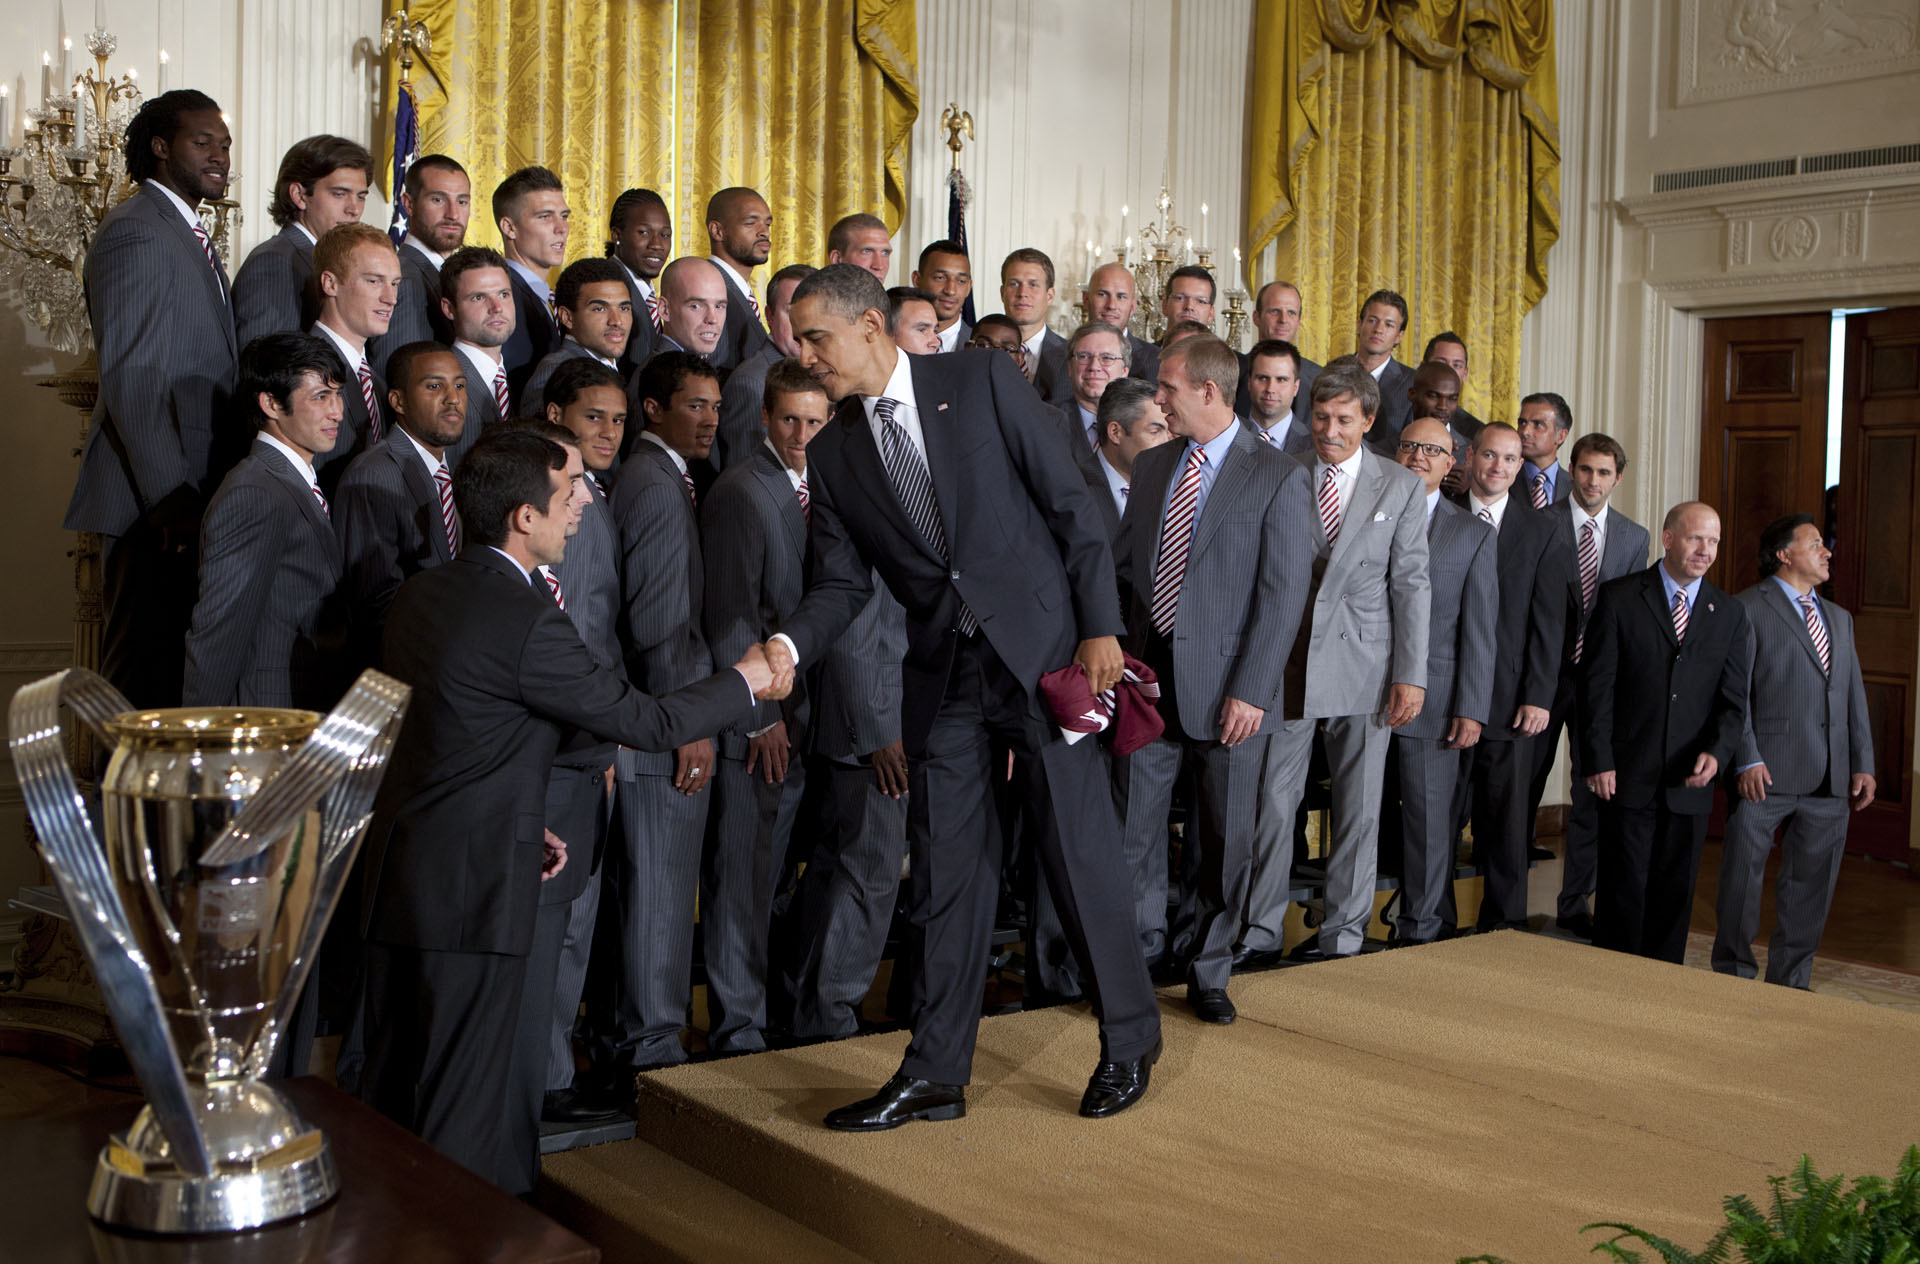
{"points": [[740, 237], [1276, 318], [1667, 661], [1111, 298]]}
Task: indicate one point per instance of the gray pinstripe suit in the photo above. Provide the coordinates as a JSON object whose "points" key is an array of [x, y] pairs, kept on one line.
{"points": [[269, 565], [356, 428], [1463, 570], [1249, 571], [1812, 731], [387, 514], [273, 293], [1366, 629], [741, 430], [657, 878], [536, 385], [754, 541], [1395, 406], [640, 337], [482, 410]]}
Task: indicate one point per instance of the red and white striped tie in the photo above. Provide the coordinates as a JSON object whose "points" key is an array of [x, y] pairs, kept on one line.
{"points": [[444, 481], [325, 510], [1486, 516], [373, 403], [553, 586], [1176, 533], [1818, 632], [653, 310], [1330, 506], [1680, 617], [688, 480], [1589, 580], [206, 244], [1539, 491], [806, 501], [500, 392]]}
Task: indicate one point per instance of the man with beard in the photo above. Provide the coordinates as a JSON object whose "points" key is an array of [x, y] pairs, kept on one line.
{"points": [[435, 204], [641, 238], [476, 297], [740, 235]]}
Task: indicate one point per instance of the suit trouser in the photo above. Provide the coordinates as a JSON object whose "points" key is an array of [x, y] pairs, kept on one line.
{"points": [[1810, 852], [1648, 862], [1496, 780], [1143, 784], [147, 594], [956, 866], [655, 875], [576, 952], [1583, 813], [846, 902], [1428, 771], [1357, 759], [737, 876], [440, 1054]]}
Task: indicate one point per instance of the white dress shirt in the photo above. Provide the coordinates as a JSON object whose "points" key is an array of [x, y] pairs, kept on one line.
{"points": [[426, 252], [356, 357], [179, 204], [793, 476], [679, 462], [1433, 503], [1498, 508], [640, 283], [433, 463], [1580, 520], [1344, 475], [300, 463], [950, 336], [905, 410], [1116, 484], [484, 361], [739, 284]]}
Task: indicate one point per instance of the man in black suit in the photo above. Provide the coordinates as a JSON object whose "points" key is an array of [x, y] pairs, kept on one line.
{"points": [[394, 508], [1190, 295], [640, 236], [158, 304], [1111, 299], [1026, 292], [530, 209], [1450, 349], [435, 204], [1665, 691], [476, 297], [264, 633], [458, 849], [1527, 642], [322, 184], [1545, 420], [1273, 388], [976, 520], [739, 237], [863, 241], [358, 276], [596, 316], [1599, 544], [1276, 318], [945, 273], [1382, 323]]}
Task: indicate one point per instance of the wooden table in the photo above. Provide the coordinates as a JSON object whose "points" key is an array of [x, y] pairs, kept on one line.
{"points": [[399, 1199]]}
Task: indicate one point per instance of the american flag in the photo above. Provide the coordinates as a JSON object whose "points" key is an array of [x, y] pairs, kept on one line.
{"points": [[957, 196], [406, 147]]}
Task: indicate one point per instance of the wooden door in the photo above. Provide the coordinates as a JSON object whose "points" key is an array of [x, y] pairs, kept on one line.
{"points": [[1763, 446], [1876, 565]]}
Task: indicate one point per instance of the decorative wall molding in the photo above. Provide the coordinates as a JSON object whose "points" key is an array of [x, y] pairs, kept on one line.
{"points": [[1736, 48], [34, 658]]}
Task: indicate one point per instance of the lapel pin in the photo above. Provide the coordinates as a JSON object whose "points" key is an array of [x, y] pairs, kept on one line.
{"points": [[939, 408], [1709, 607]]}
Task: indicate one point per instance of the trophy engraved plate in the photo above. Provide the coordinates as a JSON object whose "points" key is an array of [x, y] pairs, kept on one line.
{"points": [[223, 838]]}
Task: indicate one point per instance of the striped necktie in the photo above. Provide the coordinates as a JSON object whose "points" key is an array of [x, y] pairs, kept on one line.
{"points": [[1540, 490], [500, 391], [206, 244], [653, 310], [1818, 632], [1330, 506], [448, 518], [688, 480], [914, 486], [806, 501], [553, 586], [326, 511], [1486, 516], [1589, 580], [1176, 534], [372, 400], [1680, 617]]}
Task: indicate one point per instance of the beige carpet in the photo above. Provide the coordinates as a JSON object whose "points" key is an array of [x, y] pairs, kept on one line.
{"points": [[1487, 1094]]}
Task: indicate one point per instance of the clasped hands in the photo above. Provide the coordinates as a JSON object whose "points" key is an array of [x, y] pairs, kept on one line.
{"points": [[768, 667]]}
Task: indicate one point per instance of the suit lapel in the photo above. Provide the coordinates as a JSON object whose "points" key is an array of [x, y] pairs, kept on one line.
{"points": [[301, 492], [1655, 594], [1368, 482], [1234, 472], [214, 279], [935, 405], [1786, 608], [1150, 485], [426, 496], [868, 472], [1614, 562], [772, 474], [1441, 530]]}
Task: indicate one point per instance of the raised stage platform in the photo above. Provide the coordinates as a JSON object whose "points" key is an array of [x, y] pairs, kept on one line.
{"points": [[1490, 1094]]}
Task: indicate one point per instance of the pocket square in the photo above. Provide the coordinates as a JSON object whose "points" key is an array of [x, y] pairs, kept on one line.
{"points": [[1380, 517]]}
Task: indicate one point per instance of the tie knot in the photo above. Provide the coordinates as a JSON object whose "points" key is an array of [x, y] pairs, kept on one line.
{"points": [[883, 408], [1679, 601], [1806, 603], [1198, 456]]}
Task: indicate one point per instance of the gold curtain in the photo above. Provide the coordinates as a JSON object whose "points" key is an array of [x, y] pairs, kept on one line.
{"points": [[1426, 163], [808, 101]]}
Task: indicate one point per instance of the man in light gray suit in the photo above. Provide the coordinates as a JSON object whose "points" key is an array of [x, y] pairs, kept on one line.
{"points": [[753, 539], [1806, 757], [743, 395], [1358, 667], [321, 185], [157, 300], [1217, 550], [1463, 575], [262, 632]]}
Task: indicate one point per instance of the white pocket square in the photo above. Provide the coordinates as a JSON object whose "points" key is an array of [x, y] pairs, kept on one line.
{"points": [[1380, 517]]}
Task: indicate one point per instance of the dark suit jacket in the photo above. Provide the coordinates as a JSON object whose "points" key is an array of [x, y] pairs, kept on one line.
{"points": [[1025, 549], [1395, 407], [1073, 427], [745, 333], [753, 540], [416, 316], [741, 429], [1102, 494], [536, 385], [1562, 484], [1625, 552], [1807, 726], [1465, 424], [356, 428], [482, 411], [1050, 374], [273, 293], [1146, 360], [640, 338], [534, 334], [1533, 617], [1463, 567], [1249, 565], [1302, 397], [386, 512], [164, 332], [453, 856], [1653, 704], [266, 629]]}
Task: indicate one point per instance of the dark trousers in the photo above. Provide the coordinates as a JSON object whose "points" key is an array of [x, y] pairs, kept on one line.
{"points": [[1496, 778], [1581, 851], [746, 845], [956, 867], [1649, 859], [147, 593], [440, 1053], [1813, 841]]}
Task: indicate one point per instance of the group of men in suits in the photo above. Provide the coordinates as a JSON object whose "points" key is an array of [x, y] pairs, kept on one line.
{"points": [[562, 505]]}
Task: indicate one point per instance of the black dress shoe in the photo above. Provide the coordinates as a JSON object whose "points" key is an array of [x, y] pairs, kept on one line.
{"points": [[1311, 951], [1115, 1086], [1258, 958], [900, 1100], [1407, 941], [578, 1106], [1212, 1005], [1580, 924]]}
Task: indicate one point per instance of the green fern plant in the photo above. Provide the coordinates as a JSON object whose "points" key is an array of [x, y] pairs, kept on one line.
{"points": [[1810, 1220]]}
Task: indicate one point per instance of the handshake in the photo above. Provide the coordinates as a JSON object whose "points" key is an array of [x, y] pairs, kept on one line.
{"points": [[768, 669]]}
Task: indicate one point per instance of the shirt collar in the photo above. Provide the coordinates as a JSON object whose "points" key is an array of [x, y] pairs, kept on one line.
{"points": [[589, 352], [433, 463], [537, 280], [733, 276], [1349, 468], [179, 204], [1433, 502], [1117, 481], [1498, 508], [426, 252], [1216, 447], [1382, 369], [300, 463], [638, 280], [899, 386], [485, 361], [1581, 516], [1550, 472], [305, 232], [525, 576], [1278, 431], [354, 356], [679, 462], [1793, 594], [1034, 343], [1672, 586], [793, 476], [950, 336]]}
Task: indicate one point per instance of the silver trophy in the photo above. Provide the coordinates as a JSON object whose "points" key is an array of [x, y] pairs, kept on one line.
{"points": [[224, 838]]}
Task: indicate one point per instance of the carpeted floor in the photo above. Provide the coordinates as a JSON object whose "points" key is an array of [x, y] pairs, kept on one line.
{"points": [[1487, 1094]]}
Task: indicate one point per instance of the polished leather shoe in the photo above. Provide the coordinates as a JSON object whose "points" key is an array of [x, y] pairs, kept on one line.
{"points": [[1311, 950], [1580, 924], [900, 1100], [1258, 958], [1115, 1086], [578, 1106], [1212, 1005]]}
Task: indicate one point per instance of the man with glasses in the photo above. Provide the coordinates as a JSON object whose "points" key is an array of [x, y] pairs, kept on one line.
{"points": [[996, 332], [1096, 355]]}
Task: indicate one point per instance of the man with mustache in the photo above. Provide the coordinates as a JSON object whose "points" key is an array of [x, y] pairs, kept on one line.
{"points": [[476, 297], [435, 204], [740, 233]]}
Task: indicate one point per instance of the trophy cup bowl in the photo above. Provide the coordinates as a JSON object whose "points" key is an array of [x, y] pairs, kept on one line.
{"points": [[225, 837]]}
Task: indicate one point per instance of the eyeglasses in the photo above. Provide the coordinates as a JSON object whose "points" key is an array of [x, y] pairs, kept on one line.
{"points": [[1434, 450], [1090, 357]]}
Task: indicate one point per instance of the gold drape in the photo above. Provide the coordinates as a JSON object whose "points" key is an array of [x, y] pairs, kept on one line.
{"points": [[808, 101], [1426, 163]]}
